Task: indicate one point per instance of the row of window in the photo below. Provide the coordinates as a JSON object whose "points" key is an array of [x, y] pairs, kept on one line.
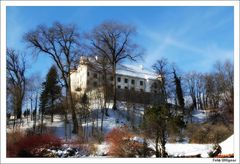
{"points": [[126, 81], [118, 79], [95, 83], [120, 87]]}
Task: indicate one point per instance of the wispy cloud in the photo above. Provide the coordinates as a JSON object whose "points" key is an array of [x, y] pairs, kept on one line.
{"points": [[202, 56], [196, 43]]}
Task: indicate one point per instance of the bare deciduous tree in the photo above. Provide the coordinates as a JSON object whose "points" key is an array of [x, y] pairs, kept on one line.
{"points": [[191, 79], [101, 66], [224, 77], [33, 85], [16, 81], [161, 69], [61, 43], [113, 40]]}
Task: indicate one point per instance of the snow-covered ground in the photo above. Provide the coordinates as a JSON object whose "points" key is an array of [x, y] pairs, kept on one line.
{"points": [[188, 149], [199, 116], [118, 119], [227, 145], [181, 149], [185, 149], [57, 127], [114, 120], [102, 149]]}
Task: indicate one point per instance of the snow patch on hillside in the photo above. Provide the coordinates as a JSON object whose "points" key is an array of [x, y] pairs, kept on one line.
{"points": [[199, 116], [188, 149], [102, 149]]}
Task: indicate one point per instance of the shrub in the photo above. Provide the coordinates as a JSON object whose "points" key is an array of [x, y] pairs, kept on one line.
{"points": [[13, 138], [32, 145], [208, 133], [219, 133], [225, 156], [116, 137], [122, 144]]}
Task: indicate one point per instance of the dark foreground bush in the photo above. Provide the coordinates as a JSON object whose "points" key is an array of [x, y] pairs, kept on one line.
{"points": [[31, 145]]}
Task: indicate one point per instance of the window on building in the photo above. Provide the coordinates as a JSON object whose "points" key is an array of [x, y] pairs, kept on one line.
{"points": [[119, 86], [119, 79], [126, 87], [141, 82], [94, 83], [141, 90], [126, 80], [78, 89], [133, 82], [95, 75], [88, 74]]}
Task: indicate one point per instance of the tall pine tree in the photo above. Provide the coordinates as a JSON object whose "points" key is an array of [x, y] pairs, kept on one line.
{"points": [[51, 91], [179, 91], [53, 88]]}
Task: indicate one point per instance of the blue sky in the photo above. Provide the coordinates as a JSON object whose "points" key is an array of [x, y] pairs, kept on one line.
{"points": [[193, 38]]}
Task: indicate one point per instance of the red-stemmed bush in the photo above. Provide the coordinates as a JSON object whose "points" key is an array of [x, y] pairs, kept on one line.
{"points": [[122, 145], [32, 145], [225, 156]]}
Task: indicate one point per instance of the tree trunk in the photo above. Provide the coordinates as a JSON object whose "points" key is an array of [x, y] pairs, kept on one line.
{"points": [[93, 124], [31, 110], [71, 106], [35, 115], [65, 122], [52, 111], [19, 108], [163, 143], [97, 120], [27, 117], [105, 94], [156, 146], [114, 87], [86, 129], [194, 100], [200, 101], [41, 121], [102, 112]]}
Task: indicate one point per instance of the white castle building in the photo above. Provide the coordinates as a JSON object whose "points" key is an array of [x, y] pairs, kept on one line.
{"points": [[128, 77]]}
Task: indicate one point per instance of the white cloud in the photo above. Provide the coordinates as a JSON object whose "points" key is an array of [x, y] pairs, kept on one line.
{"points": [[204, 57]]}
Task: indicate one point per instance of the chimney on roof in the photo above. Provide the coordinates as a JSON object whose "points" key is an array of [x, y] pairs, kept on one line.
{"points": [[141, 66]]}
